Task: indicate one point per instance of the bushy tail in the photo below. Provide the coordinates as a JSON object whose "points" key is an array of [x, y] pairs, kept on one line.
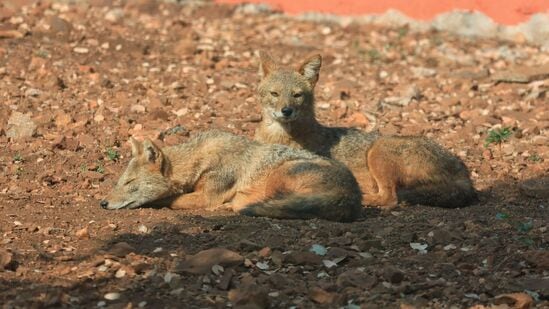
{"points": [[459, 193], [325, 206]]}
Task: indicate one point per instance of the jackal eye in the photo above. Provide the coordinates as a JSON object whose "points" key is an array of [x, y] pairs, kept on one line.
{"points": [[274, 94], [298, 95], [129, 181]]}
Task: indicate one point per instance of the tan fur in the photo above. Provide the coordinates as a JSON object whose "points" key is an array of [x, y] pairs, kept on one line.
{"points": [[389, 169], [219, 169]]}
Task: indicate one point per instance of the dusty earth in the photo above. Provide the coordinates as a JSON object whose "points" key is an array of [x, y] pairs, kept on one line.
{"points": [[77, 80]]}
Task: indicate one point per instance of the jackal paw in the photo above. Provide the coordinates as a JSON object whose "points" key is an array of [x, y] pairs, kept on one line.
{"points": [[385, 204], [222, 207]]}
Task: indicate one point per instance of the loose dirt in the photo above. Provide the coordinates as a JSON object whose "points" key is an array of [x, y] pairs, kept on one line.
{"points": [[77, 80]]}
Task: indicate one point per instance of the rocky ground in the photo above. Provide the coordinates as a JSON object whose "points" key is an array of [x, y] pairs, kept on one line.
{"points": [[77, 80]]}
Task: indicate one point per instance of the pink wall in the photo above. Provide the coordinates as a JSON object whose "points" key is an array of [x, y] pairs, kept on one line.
{"points": [[507, 12]]}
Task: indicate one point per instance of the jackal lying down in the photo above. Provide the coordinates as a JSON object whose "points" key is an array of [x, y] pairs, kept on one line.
{"points": [[218, 168]]}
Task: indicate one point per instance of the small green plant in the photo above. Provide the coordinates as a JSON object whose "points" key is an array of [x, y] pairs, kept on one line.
{"points": [[525, 227], [497, 136], [403, 31], [100, 168], [502, 216], [112, 154], [374, 55], [18, 157], [534, 158], [42, 53]]}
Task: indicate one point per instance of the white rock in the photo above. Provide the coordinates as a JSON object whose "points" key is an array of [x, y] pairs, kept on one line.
{"points": [[81, 50], [112, 296], [120, 273]]}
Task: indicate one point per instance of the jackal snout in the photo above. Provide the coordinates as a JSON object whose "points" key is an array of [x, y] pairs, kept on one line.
{"points": [[285, 114]]}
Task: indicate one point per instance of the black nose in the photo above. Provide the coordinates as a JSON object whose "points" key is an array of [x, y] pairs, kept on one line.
{"points": [[104, 204], [287, 111]]}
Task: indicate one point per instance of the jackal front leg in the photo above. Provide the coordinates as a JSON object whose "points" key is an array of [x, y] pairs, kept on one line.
{"points": [[193, 200]]}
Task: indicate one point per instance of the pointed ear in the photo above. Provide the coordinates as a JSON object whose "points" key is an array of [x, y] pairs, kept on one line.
{"points": [[136, 147], [310, 69], [266, 64], [152, 152]]}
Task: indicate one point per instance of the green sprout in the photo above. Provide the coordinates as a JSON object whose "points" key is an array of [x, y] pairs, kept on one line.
{"points": [[497, 136], [403, 31], [112, 154], [42, 53], [374, 55], [100, 168], [534, 157], [525, 227], [18, 157]]}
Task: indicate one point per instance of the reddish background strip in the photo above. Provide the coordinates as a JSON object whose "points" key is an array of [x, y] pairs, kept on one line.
{"points": [[507, 12]]}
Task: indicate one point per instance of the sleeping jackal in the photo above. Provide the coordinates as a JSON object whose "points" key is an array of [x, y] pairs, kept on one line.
{"points": [[218, 168]]}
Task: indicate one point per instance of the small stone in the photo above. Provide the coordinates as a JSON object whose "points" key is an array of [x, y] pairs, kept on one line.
{"points": [[202, 262], [487, 154], [181, 112], [217, 269], [247, 245], [324, 105], [419, 72], [358, 119], [81, 50], [356, 278], [515, 300], [59, 26], [225, 281], [320, 296], [120, 273], [10, 34], [83, 233], [20, 126], [98, 118], [62, 119], [121, 249], [540, 140], [112, 296], [137, 108], [33, 92], [442, 237], [114, 15], [393, 275], [6, 260], [265, 252], [303, 258], [142, 229], [250, 296]]}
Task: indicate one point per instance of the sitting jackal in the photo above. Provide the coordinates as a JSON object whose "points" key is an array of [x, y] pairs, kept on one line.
{"points": [[389, 169]]}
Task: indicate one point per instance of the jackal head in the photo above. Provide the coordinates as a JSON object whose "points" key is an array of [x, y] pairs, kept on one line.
{"points": [[287, 94], [144, 180]]}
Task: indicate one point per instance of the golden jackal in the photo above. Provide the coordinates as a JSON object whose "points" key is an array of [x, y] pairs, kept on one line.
{"points": [[218, 168], [388, 168]]}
